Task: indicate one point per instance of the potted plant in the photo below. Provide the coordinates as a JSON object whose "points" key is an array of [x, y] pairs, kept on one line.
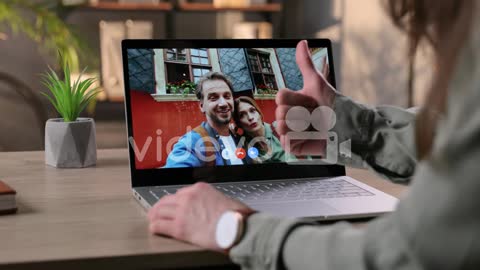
{"points": [[188, 87], [70, 140], [184, 87], [264, 90], [173, 88]]}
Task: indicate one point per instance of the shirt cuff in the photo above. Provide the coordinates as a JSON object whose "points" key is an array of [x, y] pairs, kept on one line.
{"points": [[353, 123], [353, 120], [262, 243], [330, 247]]}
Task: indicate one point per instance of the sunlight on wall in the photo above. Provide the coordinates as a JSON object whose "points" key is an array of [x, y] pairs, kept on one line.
{"points": [[374, 57]]}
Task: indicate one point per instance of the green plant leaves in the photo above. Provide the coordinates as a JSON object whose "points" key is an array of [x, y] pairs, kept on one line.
{"points": [[184, 87], [41, 21], [69, 99]]}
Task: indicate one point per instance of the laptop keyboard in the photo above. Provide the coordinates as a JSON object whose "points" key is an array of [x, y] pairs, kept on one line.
{"points": [[290, 190]]}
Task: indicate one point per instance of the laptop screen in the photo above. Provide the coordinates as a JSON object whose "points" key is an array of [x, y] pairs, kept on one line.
{"points": [[192, 107]]}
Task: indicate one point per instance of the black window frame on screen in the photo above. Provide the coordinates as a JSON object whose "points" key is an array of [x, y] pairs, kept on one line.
{"points": [[255, 58], [251, 172], [188, 63]]}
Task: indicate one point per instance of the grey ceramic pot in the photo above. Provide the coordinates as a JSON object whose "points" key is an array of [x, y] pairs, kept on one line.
{"points": [[70, 144]]}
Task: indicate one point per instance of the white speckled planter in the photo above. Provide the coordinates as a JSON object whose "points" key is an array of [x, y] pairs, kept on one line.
{"points": [[70, 144]]}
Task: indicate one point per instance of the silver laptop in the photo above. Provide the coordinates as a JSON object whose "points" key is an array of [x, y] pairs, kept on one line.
{"points": [[204, 110]]}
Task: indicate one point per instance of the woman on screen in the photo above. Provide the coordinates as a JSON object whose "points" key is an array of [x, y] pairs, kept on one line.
{"points": [[259, 135]]}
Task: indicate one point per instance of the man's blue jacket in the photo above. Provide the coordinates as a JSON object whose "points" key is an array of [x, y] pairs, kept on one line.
{"points": [[189, 151]]}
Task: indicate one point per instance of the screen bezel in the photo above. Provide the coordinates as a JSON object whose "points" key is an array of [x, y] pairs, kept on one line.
{"points": [[234, 173]]}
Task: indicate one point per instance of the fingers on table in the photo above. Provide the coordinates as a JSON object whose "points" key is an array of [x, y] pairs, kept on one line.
{"points": [[163, 226], [164, 208]]}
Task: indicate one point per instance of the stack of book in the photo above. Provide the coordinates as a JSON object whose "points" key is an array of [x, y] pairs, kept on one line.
{"points": [[8, 204]]}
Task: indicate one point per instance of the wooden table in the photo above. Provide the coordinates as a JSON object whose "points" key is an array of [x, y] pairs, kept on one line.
{"points": [[79, 218]]}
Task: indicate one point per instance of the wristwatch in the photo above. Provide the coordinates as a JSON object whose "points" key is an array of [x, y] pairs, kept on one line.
{"points": [[230, 228]]}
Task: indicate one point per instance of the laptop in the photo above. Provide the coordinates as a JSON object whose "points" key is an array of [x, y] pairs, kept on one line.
{"points": [[178, 136]]}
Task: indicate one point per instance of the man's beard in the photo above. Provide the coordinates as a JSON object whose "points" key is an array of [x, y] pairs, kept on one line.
{"points": [[220, 121]]}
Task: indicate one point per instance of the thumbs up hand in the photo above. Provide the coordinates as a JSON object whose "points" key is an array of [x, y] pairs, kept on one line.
{"points": [[316, 92]]}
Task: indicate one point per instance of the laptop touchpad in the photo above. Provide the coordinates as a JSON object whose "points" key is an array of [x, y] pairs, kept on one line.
{"points": [[296, 209]]}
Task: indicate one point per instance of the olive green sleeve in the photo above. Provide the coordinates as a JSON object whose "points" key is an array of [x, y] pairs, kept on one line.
{"points": [[436, 223], [382, 138], [435, 226]]}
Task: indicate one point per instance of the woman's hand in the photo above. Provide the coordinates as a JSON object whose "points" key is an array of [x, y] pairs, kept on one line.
{"points": [[316, 92], [191, 214]]}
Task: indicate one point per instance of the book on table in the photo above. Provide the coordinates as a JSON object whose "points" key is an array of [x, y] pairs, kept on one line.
{"points": [[8, 204]]}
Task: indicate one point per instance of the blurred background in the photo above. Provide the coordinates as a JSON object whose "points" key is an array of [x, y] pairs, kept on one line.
{"points": [[369, 53]]}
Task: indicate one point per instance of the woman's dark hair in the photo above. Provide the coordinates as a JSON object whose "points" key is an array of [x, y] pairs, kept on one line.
{"points": [[208, 77], [445, 25]]}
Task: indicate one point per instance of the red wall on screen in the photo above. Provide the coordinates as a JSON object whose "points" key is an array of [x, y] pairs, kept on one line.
{"points": [[156, 124]]}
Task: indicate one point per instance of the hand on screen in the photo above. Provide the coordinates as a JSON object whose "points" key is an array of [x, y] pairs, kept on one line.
{"points": [[191, 214], [316, 92]]}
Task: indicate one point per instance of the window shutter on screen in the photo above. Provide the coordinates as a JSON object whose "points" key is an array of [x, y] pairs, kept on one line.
{"points": [[234, 65], [141, 70], [291, 73]]}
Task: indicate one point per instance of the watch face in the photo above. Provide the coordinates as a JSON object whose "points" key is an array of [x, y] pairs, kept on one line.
{"points": [[227, 229]]}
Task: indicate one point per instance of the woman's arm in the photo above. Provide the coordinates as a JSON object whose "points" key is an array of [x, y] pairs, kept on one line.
{"points": [[382, 138], [436, 226]]}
